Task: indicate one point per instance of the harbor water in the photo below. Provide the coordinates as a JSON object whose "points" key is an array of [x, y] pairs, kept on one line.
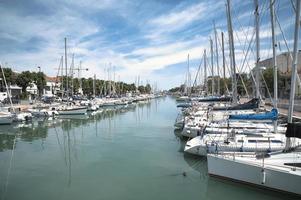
{"points": [[128, 152]]}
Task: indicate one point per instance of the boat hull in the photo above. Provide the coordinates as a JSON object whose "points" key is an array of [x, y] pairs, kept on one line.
{"points": [[254, 174], [4, 120], [74, 111]]}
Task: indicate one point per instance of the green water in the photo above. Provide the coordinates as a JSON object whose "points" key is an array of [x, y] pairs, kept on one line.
{"points": [[127, 153]]}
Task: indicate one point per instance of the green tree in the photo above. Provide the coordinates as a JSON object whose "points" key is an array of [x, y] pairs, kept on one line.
{"points": [[10, 76], [38, 78], [148, 88], [24, 80]]}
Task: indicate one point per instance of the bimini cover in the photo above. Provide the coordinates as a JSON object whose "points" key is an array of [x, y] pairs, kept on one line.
{"points": [[252, 104], [293, 130], [272, 115]]}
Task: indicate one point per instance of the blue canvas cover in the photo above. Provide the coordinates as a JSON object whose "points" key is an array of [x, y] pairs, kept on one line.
{"points": [[272, 115]]}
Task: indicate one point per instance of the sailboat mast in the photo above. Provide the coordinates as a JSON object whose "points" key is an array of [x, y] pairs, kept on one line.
{"points": [[94, 78], [79, 77], [7, 90], [274, 43], [188, 77], [232, 53], [257, 84], [71, 74], [66, 70], [217, 63], [224, 59], [294, 65], [62, 76], [294, 71], [212, 68], [272, 12], [205, 72]]}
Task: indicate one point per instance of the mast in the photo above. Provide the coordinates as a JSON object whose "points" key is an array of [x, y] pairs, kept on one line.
{"points": [[205, 72], [114, 83], [62, 76], [257, 85], [79, 78], [217, 64], [94, 78], [212, 67], [71, 74], [294, 71], [224, 59], [104, 83], [67, 89], [232, 53], [7, 90], [188, 78], [109, 79], [274, 43]]}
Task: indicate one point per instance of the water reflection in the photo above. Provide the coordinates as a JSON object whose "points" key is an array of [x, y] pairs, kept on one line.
{"points": [[68, 132]]}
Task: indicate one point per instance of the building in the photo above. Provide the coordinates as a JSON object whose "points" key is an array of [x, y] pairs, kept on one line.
{"points": [[52, 86], [284, 63]]}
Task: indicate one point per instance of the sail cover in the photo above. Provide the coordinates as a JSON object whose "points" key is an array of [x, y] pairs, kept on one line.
{"points": [[184, 105], [215, 99], [252, 104], [272, 115], [293, 130]]}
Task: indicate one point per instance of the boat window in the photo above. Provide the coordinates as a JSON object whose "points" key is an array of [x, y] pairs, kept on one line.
{"points": [[257, 141], [264, 141], [277, 141], [240, 140]]}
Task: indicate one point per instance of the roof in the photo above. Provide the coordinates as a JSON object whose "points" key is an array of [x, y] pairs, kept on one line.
{"points": [[51, 79]]}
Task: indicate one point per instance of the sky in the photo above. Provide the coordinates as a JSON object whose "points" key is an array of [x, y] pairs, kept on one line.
{"points": [[150, 39]]}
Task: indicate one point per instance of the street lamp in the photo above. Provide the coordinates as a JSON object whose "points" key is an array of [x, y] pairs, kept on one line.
{"points": [[39, 68]]}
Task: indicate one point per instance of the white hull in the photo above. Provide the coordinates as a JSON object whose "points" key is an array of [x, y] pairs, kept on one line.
{"points": [[73, 111], [219, 143], [270, 175], [6, 119]]}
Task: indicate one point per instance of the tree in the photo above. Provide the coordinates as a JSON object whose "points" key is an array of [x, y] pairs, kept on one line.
{"points": [[10, 76], [24, 80], [38, 78], [148, 88]]}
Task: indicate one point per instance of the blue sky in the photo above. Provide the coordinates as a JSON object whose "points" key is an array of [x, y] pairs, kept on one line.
{"points": [[147, 38]]}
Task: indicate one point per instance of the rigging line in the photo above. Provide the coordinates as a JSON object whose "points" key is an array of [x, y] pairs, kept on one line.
{"points": [[293, 5], [226, 64], [265, 83], [260, 13], [197, 74], [252, 52], [239, 72], [288, 50], [242, 29]]}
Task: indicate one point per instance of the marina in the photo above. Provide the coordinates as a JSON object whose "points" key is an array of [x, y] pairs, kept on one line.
{"points": [[150, 100], [107, 155]]}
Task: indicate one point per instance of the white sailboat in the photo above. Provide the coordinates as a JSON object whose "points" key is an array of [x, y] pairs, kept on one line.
{"points": [[69, 108], [280, 171]]}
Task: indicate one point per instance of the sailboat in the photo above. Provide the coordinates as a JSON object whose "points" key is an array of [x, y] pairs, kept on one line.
{"points": [[70, 108], [279, 171]]}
